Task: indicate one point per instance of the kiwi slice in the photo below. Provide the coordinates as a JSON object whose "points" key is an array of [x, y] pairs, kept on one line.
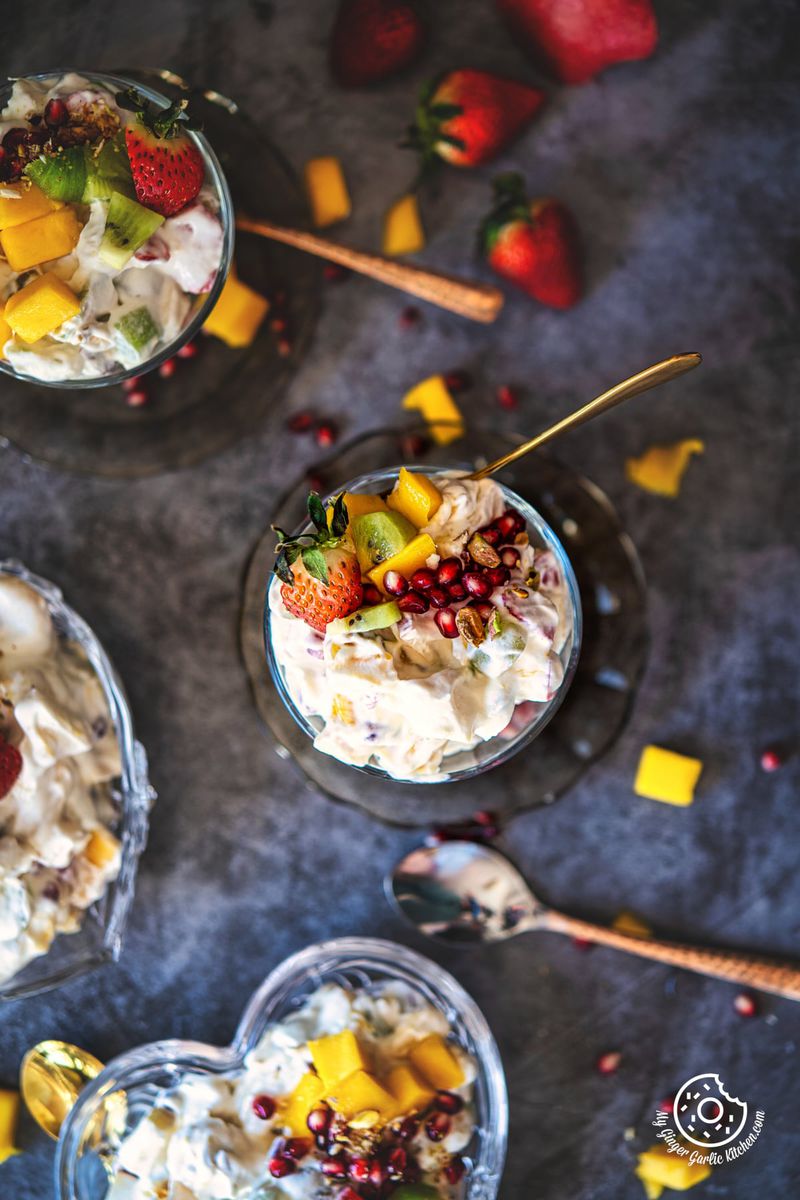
{"points": [[380, 535], [138, 327], [128, 226], [61, 176], [367, 619], [108, 170]]}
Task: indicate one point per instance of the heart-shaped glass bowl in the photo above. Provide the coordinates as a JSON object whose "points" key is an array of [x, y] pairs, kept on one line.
{"points": [[132, 1082], [99, 938]]}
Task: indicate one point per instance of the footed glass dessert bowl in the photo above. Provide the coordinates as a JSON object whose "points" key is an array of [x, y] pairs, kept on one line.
{"points": [[358, 1068]]}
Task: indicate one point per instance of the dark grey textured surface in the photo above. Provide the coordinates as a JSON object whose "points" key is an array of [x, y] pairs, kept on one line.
{"points": [[681, 173]]}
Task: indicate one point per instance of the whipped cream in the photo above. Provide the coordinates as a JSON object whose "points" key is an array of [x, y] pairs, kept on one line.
{"points": [[53, 709]]}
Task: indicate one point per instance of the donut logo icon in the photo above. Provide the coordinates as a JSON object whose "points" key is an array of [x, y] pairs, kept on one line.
{"points": [[705, 1114]]}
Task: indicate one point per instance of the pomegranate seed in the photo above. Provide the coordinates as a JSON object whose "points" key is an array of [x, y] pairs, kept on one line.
{"points": [[507, 397], [348, 1194], [454, 1171], [325, 434], [477, 585], [457, 381], [377, 1173], [505, 526], [14, 139], [130, 385], [55, 113], [323, 1142], [496, 576], [279, 324], [446, 623], [137, 398], [412, 446], [484, 609], [667, 1105], [278, 1167], [51, 891], [438, 597], [457, 591], [448, 571], [371, 595], [319, 1119], [335, 273], [412, 602], [264, 1107], [407, 1129], [358, 1169], [300, 423], [190, 350], [398, 1161], [297, 1148], [437, 1127], [334, 1168], [509, 557], [582, 943], [517, 518], [395, 583], [423, 579], [316, 482], [745, 1005], [285, 346], [771, 761], [410, 317], [448, 1102], [608, 1063], [168, 368], [492, 536]]}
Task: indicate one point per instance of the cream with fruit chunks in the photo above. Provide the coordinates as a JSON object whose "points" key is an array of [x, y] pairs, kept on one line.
{"points": [[336, 1094], [484, 619], [57, 854], [98, 272]]}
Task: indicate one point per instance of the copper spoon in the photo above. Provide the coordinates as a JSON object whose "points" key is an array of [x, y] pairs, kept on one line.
{"points": [[465, 892], [642, 381], [478, 301]]}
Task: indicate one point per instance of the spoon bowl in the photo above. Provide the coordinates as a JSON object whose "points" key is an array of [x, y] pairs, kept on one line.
{"points": [[52, 1076]]}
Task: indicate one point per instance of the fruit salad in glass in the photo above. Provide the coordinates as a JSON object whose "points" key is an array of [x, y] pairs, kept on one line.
{"points": [[115, 229], [422, 626]]}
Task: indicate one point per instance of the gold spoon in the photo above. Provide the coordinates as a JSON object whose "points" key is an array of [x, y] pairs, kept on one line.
{"points": [[52, 1076], [642, 381]]}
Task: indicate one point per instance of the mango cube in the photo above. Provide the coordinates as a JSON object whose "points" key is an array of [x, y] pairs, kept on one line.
{"points": [[415, 497], [667, 776], [23, 202], [659, 1165], [9, 1113], [337, 1056], [406, 561], [434, 401], [434, 1059], [410, 1091], [402, 228], [628, 922], [5, 333], [298, 1104], [359, 504], [327, 191], [238, 313], [361, 1092], [40, 240], [40, 307], [651, 1190], [102, 848], [661, 468]]}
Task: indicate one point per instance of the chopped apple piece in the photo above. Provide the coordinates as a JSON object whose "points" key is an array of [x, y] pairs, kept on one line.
{"points": [[41, 240], [671, 1170], [361, 1092], [434, 1059], [667, 776], [410, 1091], [410, 559], [21, 202], [40, 307], [6, 333], [415, 497], [337, 1056], [327, 191], [299, 1103], [238, 313], [402, 228], [628, 922], [438, 407], [9, 1114], [102, 848], [661, 468]]}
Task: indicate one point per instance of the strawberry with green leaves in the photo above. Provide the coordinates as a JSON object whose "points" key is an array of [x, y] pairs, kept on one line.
{"points": [[373, 39], [321, 577], [166, 165], [535, 245]]}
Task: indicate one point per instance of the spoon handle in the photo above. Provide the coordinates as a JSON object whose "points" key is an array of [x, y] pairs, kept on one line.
{"points": [[477, 301], [764, 974]]}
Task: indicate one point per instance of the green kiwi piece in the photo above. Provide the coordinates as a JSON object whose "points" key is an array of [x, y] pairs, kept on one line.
{"points": [[380, 535], [367, 619], [108, 170], [61, 176], [138, 327], [128, 226]]}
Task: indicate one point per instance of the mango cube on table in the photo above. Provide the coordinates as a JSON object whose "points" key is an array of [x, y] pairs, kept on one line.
{"points": [[9, 1114], [337, 1056], [361, 1093], [5, 333], [21, 202], [433, 400], [415, 497], [327, 191], [652, 1190], [667, 776], [671, 1170], [434, 1060], [408, 560], [102, 848], [402, 228], [661, 468], [411, 1092], [237, 315], [628, 922], [40, 240], [40, 307], [295, 1108]]}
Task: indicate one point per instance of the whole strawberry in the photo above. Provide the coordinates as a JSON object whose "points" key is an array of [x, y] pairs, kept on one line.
{"points": [[575, 39], [372, 39], [10, 766], [534, 245], [321, 577], [166, 165], [467, 117]]}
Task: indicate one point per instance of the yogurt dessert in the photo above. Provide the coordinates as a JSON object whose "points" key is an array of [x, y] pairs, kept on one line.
{"points": [[359, 1093], [58, 756], [415, 626], [110, 228]]}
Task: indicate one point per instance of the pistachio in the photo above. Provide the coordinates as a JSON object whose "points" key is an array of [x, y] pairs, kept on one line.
{"points": [[470, 626], [522, 593], [365, 1120], [533, 580], [521, 539], [481, 552]]}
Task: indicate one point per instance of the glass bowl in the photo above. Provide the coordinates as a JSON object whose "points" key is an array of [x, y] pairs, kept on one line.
{"points": [[89, 1135], [203, 303], [462, 765], [99, 938]]}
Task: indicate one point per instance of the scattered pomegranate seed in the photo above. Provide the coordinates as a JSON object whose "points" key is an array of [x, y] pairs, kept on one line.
{"points": [[608, 1063], [509, 557], [334, 273], [771, 761], [397, 1164], [496, 576], [285, 345], [745, 1005], [395, 583], [492, 536], [667, 1105], [412, 602], [437, 1127], [190, 350], [449, 1102], [297, 1148], [300, 423], [264, 1107], [358, 1169], [334, 1168], [457, 381], [316, 482], [412, 445], [55, 113], [325, 434], [407, 1129], [476, 585], [371, 595], [279, 324], [448, 571], [438, 597], [137, 398], [507, 397], [423, 579], [484, 817], [378, 1173], [279, 1167], [410, 317], [445, 620], [168, 368], [456, 590], [130, 385], [582, 943], [454, 1171]]}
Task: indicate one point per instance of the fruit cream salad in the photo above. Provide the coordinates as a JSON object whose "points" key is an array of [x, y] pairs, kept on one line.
{"points": [[108, 229], [357, 1095], [415, 626], [58, 755]]}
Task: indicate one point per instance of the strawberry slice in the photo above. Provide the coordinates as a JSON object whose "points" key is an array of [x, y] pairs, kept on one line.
{"points": [[166, 165]]}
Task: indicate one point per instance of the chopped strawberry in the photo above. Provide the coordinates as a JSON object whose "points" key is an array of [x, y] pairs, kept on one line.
{"points": [[10, 766], [575, 39], [166, 165], [372, 39], [534, 245], [467, 117], [321, 579]]}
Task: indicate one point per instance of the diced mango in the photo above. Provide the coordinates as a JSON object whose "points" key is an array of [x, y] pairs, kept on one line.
{"points": [[238, 313], [298, 1104], [21, 202], [410, 1091], [40, 307], [665, 775], [359, 504], [407, 561], [660, 1165], [434, 401], [327, 191], [415, 497], [628, 922], [337, 1056], [5, 333], [434, 1059], [102, 848], [342, 710], [661, 468], [402, 228], [651, 1190], [9, 1114], [361, 1092], [45, 238]]}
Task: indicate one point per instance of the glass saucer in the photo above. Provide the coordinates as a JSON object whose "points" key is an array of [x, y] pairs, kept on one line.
{"points": [[216, 398], [613, 654]]}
